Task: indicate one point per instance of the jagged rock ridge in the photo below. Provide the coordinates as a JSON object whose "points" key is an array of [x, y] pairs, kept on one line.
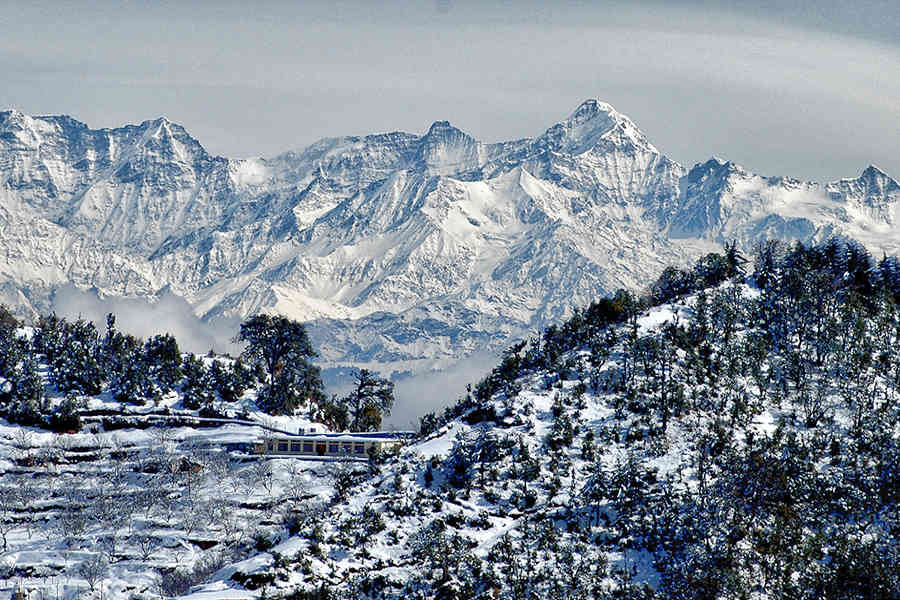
{"points": [[401, 250]]}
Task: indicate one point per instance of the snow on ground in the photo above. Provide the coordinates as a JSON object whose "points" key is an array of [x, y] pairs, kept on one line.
{"points": [[659, 316], [440, 444], [171, 497]]}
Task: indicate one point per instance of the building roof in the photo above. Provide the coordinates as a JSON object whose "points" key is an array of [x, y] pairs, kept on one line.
{"points": [[361, 436]]}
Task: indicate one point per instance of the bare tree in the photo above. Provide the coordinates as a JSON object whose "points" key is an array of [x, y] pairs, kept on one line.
{"points": [[109, 545], [117, 475], [93, 570], [162, 435], [65, 442], [7, 524], [147, 499], [263, 474], [191, 519], [27, 493], [232, 527], [101, 443], [296, 487], [146, 545], [167, 506], [235, 477], [123, 509], [248, 480], [213, 510], [218, 468], [190, 474], [50, 452], [22, 439], [73, 520]]}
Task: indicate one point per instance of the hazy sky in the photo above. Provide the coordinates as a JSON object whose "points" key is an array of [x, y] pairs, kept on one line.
{"points": [[809, 89]]}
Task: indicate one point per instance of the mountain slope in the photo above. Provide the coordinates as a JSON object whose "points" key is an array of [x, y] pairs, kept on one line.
{"points": [[719, 446], [448, 242]]}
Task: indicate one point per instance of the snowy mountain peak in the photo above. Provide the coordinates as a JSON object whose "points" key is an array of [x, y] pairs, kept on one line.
{"points": [[875, 177], [402, 250], [590, 109], [714, 164], [873, 196], [714, 161], [440, 128], [446, 150], [164, 129], [9, 116], [873, 171], [590, 121], [24, 128], [595, 125]]}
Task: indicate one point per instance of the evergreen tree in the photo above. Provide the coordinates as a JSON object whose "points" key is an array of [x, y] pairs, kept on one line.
{"points": [[333, 413], [198, 385], [116, 348], [230, 381], [26, 397], [163, 361], [371, 398], [672, 283], [66, 418], [74, 360], [12, 349], [7, 321], [133, 383], [282, 348]]}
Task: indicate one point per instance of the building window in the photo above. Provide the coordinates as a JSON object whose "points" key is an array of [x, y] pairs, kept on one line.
{"points": [[282, 446], [346, 447], [333, 448], [360, 449], [295, 446], [307, 446]]}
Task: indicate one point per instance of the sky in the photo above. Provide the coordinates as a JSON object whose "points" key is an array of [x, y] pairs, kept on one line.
{"points": [[807, 89]]}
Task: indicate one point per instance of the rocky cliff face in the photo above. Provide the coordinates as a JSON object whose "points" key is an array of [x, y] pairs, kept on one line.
{"points": [[400, 250]]}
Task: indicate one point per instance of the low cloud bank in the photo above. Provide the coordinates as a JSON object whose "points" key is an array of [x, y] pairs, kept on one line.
{"points": [[431, 392], [170, 314]]}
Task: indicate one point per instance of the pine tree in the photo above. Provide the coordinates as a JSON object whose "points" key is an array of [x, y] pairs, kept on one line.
{"points": [[66, 418], [281, 348], [75, 366], [230, 381], [116, 348], [163, 361], [133, 383], [25, 404], [197, 387], [371, 398]]}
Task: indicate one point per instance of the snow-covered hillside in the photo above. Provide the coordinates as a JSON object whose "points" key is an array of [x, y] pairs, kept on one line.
{"points": [[717, 446], [739, 440], [401, 251], [142, 499]]}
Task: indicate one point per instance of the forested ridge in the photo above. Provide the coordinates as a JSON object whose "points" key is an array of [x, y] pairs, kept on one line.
{"points": [[730, 433]]}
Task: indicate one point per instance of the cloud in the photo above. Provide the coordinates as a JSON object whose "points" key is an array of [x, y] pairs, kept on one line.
{"points": [[794, 88], [170, 314], [432, 392]]}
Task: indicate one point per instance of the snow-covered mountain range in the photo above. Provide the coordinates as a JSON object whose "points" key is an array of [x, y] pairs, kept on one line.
{"points": [[400, 250]]}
